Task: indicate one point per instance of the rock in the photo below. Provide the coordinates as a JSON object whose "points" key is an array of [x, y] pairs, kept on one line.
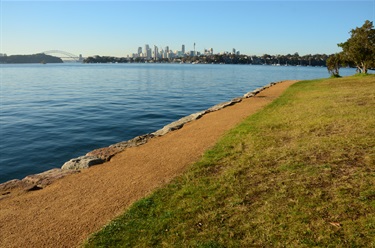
{"points": [[46, 178], [82, 162], [137, 141], [248, 95], [178, 124], [168, 128], [181, 122], [32, 182], [106, 153], [256, 91], [218, 106], [224, 104], [236, 100], [33, 188], [191, 117], [10, 185]]}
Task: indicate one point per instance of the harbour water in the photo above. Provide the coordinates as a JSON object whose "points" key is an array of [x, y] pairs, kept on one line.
{"points": [[54, 112]]}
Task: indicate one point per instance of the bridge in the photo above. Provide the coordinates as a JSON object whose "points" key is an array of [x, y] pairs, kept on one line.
{"points": [[65, 55]]}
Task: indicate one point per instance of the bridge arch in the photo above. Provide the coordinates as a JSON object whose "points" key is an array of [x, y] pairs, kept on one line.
{"points": [[64, 55]]}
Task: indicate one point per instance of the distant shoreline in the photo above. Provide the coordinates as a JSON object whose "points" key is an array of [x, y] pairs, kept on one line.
{"points": [[228, 58]]}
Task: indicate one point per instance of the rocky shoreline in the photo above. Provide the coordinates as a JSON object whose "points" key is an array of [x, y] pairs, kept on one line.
{"points": [[101, 155]]}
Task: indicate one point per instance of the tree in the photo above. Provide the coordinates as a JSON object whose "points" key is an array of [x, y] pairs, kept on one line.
{"points": [[360, 47], [265, 57], [333, 64]]}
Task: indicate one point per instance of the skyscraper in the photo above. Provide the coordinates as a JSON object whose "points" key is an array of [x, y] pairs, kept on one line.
{"points": [[156, 52], [148, 51], [139, 50], [183, 49]]}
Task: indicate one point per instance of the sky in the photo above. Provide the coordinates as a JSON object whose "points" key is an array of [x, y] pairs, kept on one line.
{"points": [[118, 28]]}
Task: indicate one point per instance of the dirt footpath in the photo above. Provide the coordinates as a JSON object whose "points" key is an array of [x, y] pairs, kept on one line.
{"points": [[66, 212]]}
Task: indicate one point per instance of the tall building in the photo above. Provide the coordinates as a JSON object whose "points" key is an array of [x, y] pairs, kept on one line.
{"points": [[165, 52], [139, 50], [147, 51], [156, 52], [183, 49]]}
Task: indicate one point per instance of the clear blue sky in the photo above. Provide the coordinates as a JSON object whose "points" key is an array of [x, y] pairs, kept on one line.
{"points": [[118, 28]]}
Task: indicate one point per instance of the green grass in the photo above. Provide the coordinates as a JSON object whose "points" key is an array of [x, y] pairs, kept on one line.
{"points": [[299, 173]]}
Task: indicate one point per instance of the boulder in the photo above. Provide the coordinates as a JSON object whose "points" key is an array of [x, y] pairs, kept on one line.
{"points": [[137, 141], [224, 104], [82, 163], [248, 95], [32, 182], [46, 178], [106, 153], [236, 100], [178, 124], [256, 91], [10, 185]]}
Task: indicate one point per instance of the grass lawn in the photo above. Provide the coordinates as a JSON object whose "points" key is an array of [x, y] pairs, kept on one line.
{"points": [[299, 173]]}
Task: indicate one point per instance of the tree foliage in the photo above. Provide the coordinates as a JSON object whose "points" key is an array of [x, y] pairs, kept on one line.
{"points": [[360, 47], [334, 63]]}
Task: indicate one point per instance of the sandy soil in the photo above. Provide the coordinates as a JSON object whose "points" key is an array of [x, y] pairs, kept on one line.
{"points": [[66, 212]]}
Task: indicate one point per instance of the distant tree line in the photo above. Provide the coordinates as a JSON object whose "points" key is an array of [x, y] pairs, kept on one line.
{"points": [[289, 59], [25, 59], [358, 51], [105, 59]]}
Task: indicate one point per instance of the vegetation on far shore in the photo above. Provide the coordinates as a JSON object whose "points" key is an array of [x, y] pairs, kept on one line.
{"points": [[26, 59], [266, 59], [299, 173]]}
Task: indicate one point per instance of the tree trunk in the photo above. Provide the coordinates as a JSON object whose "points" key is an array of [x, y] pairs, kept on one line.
{"points": [[365, 68]]}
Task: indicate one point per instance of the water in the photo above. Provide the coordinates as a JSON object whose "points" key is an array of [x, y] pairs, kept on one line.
{"points": [[52, 113]]}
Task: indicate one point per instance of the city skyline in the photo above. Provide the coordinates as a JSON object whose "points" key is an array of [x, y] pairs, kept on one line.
{"points": [[168, 53], [117, 28]]}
